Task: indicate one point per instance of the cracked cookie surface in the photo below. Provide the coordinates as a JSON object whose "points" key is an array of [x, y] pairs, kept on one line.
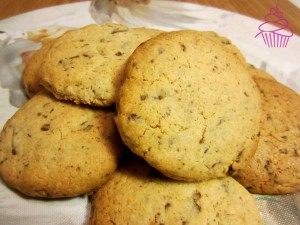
{"points": [[275, 167], [56, 149], [139, 195], [188, 106], [86, 65]]}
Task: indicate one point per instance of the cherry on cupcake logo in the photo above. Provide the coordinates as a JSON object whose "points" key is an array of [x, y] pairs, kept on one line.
{"points": [[275, 31]]}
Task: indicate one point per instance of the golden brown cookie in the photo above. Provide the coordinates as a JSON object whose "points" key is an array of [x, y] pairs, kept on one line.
{"points": [[138, 195], [86, 65], [31, 78], [54, 149], [275, 167], [188, 107]]}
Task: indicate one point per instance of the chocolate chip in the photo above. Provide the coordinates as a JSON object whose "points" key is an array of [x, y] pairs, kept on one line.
{"points": [[143, 97], [118, 31], [183, 48], [226, 42], [157, 215], [87, 128], [239, 155], [196, 199], [225, 186], [119, 53], [86, 55], [14, 151], [283, 151], [74, 57], [133, 117], [45, 127], [1, 162], [160, 50], [213, 165], [167, 205], [267, 164], [230, 171], [220, 122]]}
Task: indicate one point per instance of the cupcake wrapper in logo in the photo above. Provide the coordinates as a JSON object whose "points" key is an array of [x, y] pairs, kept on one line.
{"points": [[275, 40], [275, 37]]}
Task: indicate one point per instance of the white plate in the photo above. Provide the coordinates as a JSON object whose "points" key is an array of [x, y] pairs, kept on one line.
{"points": [[283, 63]]}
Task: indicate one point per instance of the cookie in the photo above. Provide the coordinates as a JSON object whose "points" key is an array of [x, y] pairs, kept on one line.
{"points": [[138, 195], [53, 149], [30, 78], [275, 167], [259, 73], [188, 107], [86, 65]]}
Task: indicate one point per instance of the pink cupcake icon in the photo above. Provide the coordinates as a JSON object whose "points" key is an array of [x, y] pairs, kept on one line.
{"points": [[275, 30]]}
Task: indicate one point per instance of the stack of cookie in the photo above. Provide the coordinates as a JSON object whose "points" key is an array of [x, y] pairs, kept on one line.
{"points": [[53, 148], [189, 107]]}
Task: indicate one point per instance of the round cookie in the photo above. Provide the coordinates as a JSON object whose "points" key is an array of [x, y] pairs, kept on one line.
{"points": [[275, 167], [188, 107], [53, 149], [138, 195], [86, 65], [31, 78]]}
